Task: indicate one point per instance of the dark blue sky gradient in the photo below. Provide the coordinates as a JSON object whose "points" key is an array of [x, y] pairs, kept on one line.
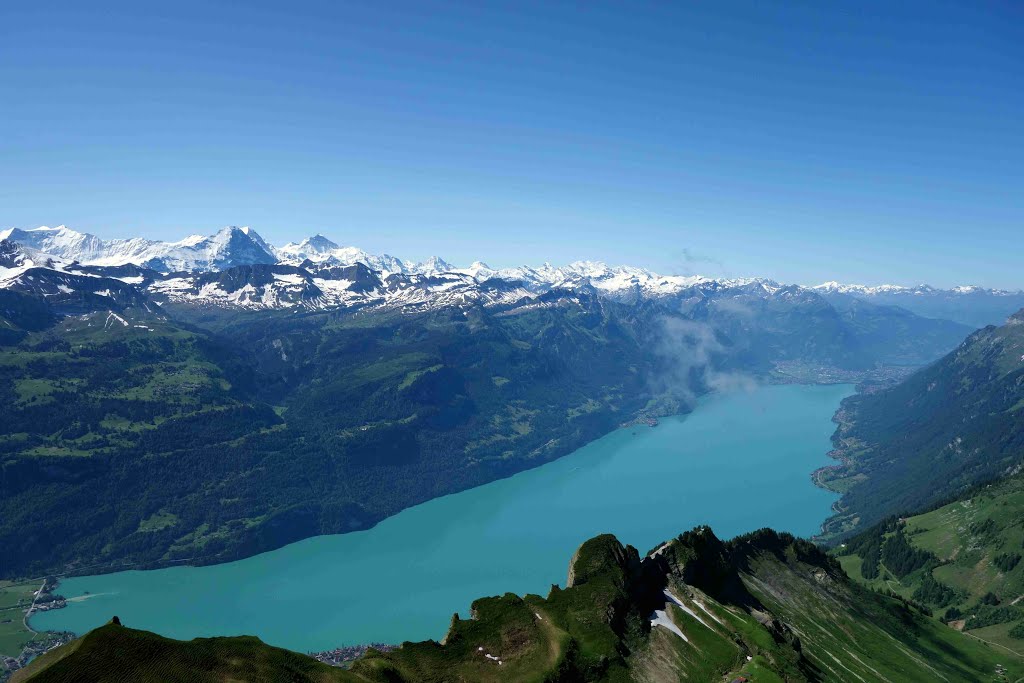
{"points": [[806, 141]]}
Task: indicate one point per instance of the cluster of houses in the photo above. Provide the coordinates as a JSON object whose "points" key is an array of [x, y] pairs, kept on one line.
{"points": [[340, 656], [32, 650]]}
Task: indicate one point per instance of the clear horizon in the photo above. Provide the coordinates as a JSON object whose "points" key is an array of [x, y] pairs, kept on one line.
{"points": [[865, 144]]}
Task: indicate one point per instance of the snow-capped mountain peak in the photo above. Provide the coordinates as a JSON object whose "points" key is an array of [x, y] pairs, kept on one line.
{"points": [[324, 252], [432, 266], [478, 270], [16, 258], [60, 241], [230, 246], [307, 248]]}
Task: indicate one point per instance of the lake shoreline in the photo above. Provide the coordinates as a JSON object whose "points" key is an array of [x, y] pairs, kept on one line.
{"points": [[642, 418], [643, 484]]}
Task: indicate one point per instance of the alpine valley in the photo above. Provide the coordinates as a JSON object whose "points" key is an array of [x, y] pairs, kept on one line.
{"points": [[223, 397], [206, 400]]}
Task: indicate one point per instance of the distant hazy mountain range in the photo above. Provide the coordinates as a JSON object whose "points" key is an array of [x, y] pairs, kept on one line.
{"points": [[970, 305], [317, 273]]}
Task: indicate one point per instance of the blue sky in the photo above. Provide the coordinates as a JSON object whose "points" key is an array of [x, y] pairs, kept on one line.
{"points": [[804, 141]]}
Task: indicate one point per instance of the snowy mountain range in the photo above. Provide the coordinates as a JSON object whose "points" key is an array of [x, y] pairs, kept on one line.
{"points": [[237, 268], [918, 290], [229, 247], [970, 305]]}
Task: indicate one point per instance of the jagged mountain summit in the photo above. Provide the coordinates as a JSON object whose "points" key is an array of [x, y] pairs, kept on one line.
{"points": [[316, 245], [322, 251], [761, 607]]}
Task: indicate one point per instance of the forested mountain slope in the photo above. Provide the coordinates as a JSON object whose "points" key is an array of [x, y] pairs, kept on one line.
{"points": [[149, 442], [951, 425]]}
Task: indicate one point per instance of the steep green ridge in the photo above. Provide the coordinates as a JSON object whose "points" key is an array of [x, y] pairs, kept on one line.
{"points": [[765, 606], [964, 561], [944, 429]]}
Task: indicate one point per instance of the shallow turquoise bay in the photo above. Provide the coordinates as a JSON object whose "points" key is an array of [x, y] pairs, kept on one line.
{"points": [[739, 462]]}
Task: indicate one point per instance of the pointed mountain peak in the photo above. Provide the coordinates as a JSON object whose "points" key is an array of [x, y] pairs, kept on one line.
{"points": [[434, 264], [229, 230], [318, 243]]}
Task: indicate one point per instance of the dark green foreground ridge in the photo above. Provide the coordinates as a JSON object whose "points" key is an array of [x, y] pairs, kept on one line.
{"points": [[765, 606]]}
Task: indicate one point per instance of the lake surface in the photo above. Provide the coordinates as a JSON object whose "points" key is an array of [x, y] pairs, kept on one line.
{"points": [[739, 462]]}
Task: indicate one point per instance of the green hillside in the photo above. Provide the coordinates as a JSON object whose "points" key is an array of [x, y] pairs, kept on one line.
{"points": [[98, 409], [764, 606], [945, 429], [149, 442], [963, 561]]}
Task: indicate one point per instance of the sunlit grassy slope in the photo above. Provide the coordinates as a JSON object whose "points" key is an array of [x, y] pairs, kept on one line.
{"points": [[963, 561]]}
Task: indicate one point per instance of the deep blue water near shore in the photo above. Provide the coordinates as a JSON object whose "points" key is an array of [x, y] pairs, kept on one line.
{"points": [[739, 462]]}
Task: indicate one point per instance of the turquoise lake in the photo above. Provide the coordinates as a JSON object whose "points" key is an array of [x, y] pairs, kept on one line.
{"points": [[739, 462]]}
